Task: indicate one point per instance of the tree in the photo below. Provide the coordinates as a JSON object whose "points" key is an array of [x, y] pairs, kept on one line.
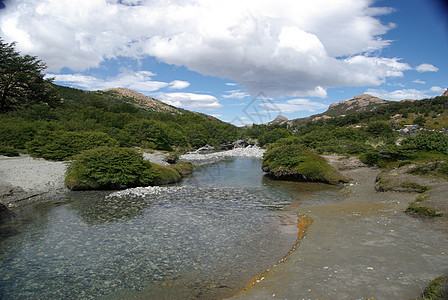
{"points": [[22, 82]]}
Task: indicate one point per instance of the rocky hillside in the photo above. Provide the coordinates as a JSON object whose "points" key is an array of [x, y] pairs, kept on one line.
{"points": [[445, 93], [278, 120], [143, 101], [356, 104]]}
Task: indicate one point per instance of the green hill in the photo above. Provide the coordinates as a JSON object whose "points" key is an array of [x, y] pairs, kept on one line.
{"points": [[83, 119]]}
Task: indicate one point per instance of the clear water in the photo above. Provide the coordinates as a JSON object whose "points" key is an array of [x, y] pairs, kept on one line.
{"points": [[203, 238]]}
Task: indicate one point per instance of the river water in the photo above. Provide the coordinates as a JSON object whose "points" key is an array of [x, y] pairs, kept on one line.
{"points": [[205, 237]]}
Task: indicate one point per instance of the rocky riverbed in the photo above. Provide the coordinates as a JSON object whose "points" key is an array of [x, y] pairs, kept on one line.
{"points": [[365, 246]]}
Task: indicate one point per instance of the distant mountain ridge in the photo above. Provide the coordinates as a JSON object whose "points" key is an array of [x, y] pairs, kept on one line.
{"points": [[356, 104], [144, 101]]}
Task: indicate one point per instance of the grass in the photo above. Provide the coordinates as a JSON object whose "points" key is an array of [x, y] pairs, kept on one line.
{"points": [[422, 210], [437, 289]]}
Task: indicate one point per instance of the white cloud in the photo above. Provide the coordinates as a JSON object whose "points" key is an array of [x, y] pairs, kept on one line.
{"points": [[293, 105], [419, 81], [179, 84], [139, 81], [189, 100], [406, 93], [437, 89], [236, 94], [283, 48], [426, 68]]}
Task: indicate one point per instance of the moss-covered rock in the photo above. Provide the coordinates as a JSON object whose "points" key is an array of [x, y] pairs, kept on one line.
{"points": [[437, 289], [289, 162]]}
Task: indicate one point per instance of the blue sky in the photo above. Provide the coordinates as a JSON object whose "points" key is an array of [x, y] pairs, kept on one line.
{"points": [[243, 61]]}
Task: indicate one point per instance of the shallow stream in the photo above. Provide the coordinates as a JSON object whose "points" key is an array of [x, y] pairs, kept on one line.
{"points": [[206, 237]]}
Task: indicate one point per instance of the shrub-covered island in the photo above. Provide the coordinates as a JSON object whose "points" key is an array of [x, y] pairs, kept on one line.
{"points": [[117, 168], [288, 161]]}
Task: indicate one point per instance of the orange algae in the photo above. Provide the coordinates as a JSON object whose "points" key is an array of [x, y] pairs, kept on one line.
{"points": [[303, 222]]}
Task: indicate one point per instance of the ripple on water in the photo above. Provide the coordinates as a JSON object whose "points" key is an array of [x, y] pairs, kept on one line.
{"points": [[146, 241]]}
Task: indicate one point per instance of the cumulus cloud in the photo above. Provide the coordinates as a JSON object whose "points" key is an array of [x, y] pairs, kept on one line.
{"points": [[178, 84], [294, 105], [426, 68], [189, 100], [139, 81], [236, 94], [282, 48], [398, 95], [419, 81]]}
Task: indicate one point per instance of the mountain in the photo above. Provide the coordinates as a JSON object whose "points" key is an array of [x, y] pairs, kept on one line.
{"points": [[356, 104], [445, 94], [143, 101], [279, 120]]}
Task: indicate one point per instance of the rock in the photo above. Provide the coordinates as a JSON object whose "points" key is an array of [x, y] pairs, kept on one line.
{"points": [[279, 120], [205, 148], [445, 94], [240, 144]]}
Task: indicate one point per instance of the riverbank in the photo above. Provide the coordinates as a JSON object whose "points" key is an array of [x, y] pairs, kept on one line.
{"points": [[24, 180], [362, 247]]}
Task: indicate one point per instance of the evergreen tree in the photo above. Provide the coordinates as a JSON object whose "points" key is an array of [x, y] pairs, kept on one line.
{"points": [[22, 82]]}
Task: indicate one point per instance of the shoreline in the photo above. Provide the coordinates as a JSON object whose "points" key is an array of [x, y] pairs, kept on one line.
{"points": [[26, 180], [362, 247]]}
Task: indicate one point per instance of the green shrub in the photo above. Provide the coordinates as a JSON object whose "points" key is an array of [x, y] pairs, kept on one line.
{"points": [[8, 150], [108, 167], [273, 135], [427, 141], [423, 210], [437, 289], [116, 168], [443, 168], [420, 120], [380, 129], [62, 145], [16, 132], [371, 157], [289, 161]]}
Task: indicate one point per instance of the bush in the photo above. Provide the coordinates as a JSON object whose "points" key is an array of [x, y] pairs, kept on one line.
{"points": [[62, 145], [380, 129], [108, 167], [116, 168], [427, 141], [273, 135], [289, 161], [420, 120], [371, 157], [437, 289], [16, 132], [8, 150]]}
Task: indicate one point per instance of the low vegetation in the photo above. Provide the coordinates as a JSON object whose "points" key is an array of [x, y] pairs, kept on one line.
{"points": [[437, 289], [288, 161], [117, 168]]}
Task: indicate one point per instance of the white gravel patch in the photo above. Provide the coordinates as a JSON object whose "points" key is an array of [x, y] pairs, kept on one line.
{"points": [[250, 151], [156, 157], [32, 174], [144, 191]]}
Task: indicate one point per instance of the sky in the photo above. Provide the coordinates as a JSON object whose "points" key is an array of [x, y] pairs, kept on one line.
{"points": [[242, 61]]}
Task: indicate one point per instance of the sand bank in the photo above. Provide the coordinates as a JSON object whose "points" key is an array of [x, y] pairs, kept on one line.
{"points": [[362, 247]]}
